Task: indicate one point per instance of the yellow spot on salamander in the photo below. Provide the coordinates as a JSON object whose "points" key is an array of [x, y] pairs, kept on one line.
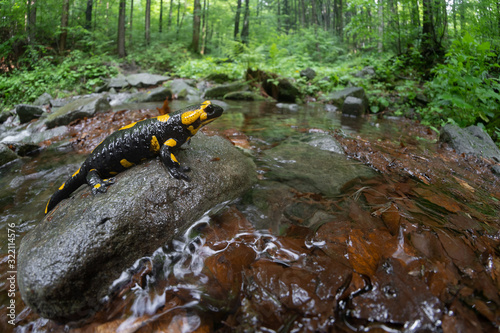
{"points": [[190, 117], [173, 158], [170, 143], [112, 173], [128, 126], [77, 172], [126, 164], [163, 118], [155, 145], [61, 187], [97, 185], [47, 207]]}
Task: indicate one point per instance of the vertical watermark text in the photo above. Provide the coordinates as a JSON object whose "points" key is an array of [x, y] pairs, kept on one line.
{"points": [[11, 273]]}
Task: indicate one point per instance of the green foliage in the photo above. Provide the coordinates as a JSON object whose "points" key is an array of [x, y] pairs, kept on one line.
{"points": [[77, 71], [465, 88]]}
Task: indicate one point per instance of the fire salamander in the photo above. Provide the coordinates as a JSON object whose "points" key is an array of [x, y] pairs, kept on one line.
{"points": [[133, 143]]}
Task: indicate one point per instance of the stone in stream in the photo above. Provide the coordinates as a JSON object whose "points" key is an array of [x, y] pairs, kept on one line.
{"points": [[353, 106], [78, 109], [219, 91], [338, 97], [471, 140], [67, 263], [6, 154], [27, 112], [313, 164]]}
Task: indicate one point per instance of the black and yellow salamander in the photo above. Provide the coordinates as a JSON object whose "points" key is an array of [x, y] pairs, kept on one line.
{"points": [[135, 142]]}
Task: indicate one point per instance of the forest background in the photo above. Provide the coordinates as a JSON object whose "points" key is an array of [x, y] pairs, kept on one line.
{"points": [[436, 60]]}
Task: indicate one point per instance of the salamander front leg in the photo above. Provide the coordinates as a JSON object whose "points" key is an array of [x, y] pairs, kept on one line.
{"points": [[98, 185], [173, 166]]}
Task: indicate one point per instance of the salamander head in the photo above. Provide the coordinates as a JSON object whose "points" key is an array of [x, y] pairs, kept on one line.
{"points": [[205, 113]]}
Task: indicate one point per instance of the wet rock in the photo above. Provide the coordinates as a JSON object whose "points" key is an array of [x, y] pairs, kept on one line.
{"points": [[78, 109], [6, 154], [308, 73], [367, 72], [496, 169], [275, 86], [118, 82], [395, 300], [182, 90], [218, 77], [27, 112], [243, 96], [221, 90], [145, 80], [304, 165], [471, 140], [43, 99], [4, 115], [353, 106], [154, 95], [68, 262], [338, 97]]}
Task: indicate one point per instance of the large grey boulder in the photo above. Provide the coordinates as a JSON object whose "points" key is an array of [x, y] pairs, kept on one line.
{"points": [[182, 90], [338, 97], [27, 112], [221, 90], [43, 99], [158, 94], [353, 106], [78, 109], [145, 80], [471, 140], [68, 262]]}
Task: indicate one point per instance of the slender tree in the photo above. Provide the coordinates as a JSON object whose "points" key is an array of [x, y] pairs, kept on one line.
{"points": [[121, 29], [130, 23], [161, 16], [237, 20], [169, 23], [31, 21], [196, 26], [88, 15], [147, 23], [64, 25], [245, 30]]}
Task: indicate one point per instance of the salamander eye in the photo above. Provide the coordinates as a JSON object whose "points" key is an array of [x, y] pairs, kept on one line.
{"points": [[209, 110]]}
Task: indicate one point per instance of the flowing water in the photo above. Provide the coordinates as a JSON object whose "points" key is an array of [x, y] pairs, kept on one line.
{"points": [[402, 235]]}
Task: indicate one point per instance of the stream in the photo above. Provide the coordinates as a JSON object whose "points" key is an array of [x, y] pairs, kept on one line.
{"points": [[399, 235]]}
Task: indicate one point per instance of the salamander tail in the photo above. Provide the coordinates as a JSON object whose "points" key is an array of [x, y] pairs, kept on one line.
{"points": [[65, 190]]}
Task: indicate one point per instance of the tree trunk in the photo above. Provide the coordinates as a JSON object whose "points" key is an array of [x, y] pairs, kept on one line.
{"points": [[121, 29], [204, 26], [64, 26], [431, 47], [380, 26], [246, 23], [31, 29], [237, 20], [130, 23], [161, 16], [147, 22], [196, 26], [88, 15], [170, 15]]}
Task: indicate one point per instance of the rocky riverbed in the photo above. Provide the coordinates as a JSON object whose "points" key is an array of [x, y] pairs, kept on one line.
{"points": [[352, 222]]}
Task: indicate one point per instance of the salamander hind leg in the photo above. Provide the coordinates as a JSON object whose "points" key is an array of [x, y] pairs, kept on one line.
{"points": [[98, 184]]}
